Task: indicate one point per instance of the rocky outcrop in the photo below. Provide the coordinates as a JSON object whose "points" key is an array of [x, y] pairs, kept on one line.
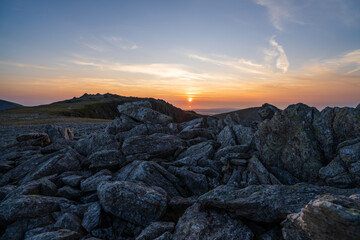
{"points": [[141, 111], [295, 175]]}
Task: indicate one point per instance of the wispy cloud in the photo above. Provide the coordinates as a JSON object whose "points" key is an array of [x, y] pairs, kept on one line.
{"points": [[27, 65], [173, 71], [278, 12], [277, 52], [109, 43]]}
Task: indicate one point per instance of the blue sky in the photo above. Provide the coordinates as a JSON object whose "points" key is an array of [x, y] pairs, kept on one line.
{"points": [[220, 53]]}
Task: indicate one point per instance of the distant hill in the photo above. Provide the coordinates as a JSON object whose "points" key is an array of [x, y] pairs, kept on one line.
{"points": [[6, 105], [90, 106], [243, 115]]}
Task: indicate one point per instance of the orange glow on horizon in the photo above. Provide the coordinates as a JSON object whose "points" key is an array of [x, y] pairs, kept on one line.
{"points": [[190, 99]]}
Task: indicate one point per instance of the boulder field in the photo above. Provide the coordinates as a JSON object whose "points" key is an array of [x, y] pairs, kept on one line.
{"points": [[293, 175]]}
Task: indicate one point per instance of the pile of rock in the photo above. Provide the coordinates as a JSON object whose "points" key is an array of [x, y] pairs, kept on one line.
{"points": [[295, 175]]}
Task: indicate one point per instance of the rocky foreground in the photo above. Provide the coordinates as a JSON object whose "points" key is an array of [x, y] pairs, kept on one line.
{"points": [[295, 175]]}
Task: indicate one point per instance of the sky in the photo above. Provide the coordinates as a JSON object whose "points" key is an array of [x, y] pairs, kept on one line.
{"points": [[195, 54]]}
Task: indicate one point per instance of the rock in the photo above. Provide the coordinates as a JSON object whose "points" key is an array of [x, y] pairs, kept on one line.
{"points": [[69, 192], [226, 137], [103, 233], [165, 236], [195, 183], [261, 172], [201, 224], [109, 159], [62, 234], [156, 145], [34, 139], [344, 170], [238, 151], [267, 111], [288, 141], [17, 230], [92, 217], [69, 221], [238, 162], [155, 229], [191, 133], [77, 210], [96, 142], [141, 111], [132, 202], [275, 201], [327, 217], [72, 180], [122, 123], [284, 176], [243, 135], [27, 206], [200, 151], [67, 160], [90, 184], [59, 134], [151, 174], [54, 147]]}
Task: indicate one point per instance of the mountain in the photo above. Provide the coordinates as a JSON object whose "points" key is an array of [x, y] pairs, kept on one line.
{"points": [[6, 105]]}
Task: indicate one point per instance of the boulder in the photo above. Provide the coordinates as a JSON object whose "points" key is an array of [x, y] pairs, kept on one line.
{"points": [[226, 137], [34, 139], [156, 145], [62, 234], [96, 142], [326, 217], [132, 202], [202, 224], [92, 217], [151, 174], [266, 203], [90, 184], [141, 111], [267, 111], [109, 159], [28, 206], [59, 134], [122, 123], [290, 142], [68, 221], [195, 183]]}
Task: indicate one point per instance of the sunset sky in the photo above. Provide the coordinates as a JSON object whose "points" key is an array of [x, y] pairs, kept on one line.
{"points": [[221, 54]]}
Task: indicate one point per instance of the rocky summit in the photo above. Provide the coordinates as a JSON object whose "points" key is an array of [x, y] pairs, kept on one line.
{"points": [[293, 174]]}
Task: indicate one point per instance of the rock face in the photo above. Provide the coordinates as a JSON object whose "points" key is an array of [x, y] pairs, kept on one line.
{"points": [[326, 217], [198, 224], [141, 111], [132, 202], [293, 175]]}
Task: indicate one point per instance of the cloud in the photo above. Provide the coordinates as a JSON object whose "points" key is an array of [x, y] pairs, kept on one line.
{"points": [[121, 43], [27, 65], [236, 63], [278, 12], [174, 71], [277, 52]]}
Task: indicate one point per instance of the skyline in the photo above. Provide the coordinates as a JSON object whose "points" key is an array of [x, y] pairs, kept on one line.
{"points": [[221, 54]]}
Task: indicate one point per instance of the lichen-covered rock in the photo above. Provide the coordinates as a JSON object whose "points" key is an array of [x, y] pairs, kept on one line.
{"points": [[226, 137], [156, 145], [68, 221], [90, 184], [266, 203], [267, 111], [327, 217], [109, 159], [120, 124], [92, 217], [151, 174], [62, 234], [96, 142], [289, 141], [34, 139], [209, 224], [141, 111], [132, 202]]}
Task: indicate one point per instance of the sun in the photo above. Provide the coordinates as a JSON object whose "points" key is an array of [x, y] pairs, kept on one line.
{"points": [[190, 99]]}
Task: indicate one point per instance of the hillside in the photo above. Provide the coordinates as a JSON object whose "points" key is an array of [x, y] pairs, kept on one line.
{"points": [[89, 107], [6, 105]]}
